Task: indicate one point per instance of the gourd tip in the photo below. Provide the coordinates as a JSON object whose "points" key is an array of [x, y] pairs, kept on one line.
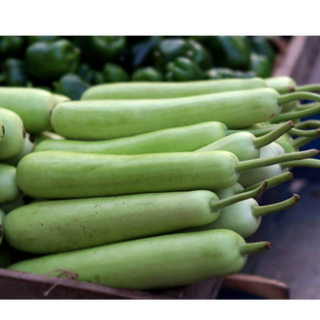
{"points": [[291, 123], [292, 89], [296, 197]]}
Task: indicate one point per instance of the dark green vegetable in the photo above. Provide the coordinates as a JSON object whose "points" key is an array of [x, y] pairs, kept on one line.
{"points": [[10, 46], [34, 39], [220, 73], [199, 54], [14, 73], [147, 74], [114, 73], [183, 69], [52, 60], [260, 65], [86, 73], [261, 46], [100, 49], [229, 51], [72, 86]]}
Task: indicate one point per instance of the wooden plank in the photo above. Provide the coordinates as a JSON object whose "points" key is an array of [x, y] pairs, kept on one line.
{"points": [[20, 285], [257, 285]]}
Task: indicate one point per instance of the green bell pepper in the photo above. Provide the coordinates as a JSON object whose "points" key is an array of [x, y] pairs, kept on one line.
{"points": [[141, 52], [72, 86], [14, 73], [229, 52], [261, 46], [170, 49], [11, 46], [34, 39], [183, 69], [199, 54], [147, 74], [100, 49], [114, 73], [52, 60], [219, 73], [244, 74], [260, 65], [86, 73], [98, 77], [200, 39]]}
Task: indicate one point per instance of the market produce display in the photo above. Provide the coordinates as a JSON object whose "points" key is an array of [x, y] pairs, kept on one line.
{"points": [[151, 182], [78, 62]]}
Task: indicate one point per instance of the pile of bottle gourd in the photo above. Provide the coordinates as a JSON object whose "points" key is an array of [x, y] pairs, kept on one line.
{"points": [[147, 185]]}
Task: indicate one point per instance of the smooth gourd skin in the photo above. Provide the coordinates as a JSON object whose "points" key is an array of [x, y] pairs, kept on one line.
{"points": [[253, 176], [28, 147], [111, 119], [162, 90], [241, 144], [13, 140], [65, 225], [8, 185], [238, 218], [182, 139], [47, 135], [156, 262], [283, 84], [60, 174], [58, 98], [32, 105]]}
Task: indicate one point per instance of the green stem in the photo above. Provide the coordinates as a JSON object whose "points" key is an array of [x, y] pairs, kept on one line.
{"points": [[315, 87], [302, 141], [251, 248], [275, 181], [298, 96], [219, 204], [273, 135], [260, 211], [263, 162], [297, 114], [266, 130], [303, 133], [309, 124], [306, 106], [308, 163]]}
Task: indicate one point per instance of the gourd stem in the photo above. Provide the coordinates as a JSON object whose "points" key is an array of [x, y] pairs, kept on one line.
{"points": [[292, 131], [273, 135], [298, 96], [301, 141], [308, 163], [263, 162], [260, 211], [315, 87], [274, 181], [297, 114], [251, 248], [302, 133], [306, 106], [309, 124], [218, 204]]}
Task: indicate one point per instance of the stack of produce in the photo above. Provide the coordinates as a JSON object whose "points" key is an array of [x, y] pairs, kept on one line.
{"points": [[148, 185], [77, 62]]}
